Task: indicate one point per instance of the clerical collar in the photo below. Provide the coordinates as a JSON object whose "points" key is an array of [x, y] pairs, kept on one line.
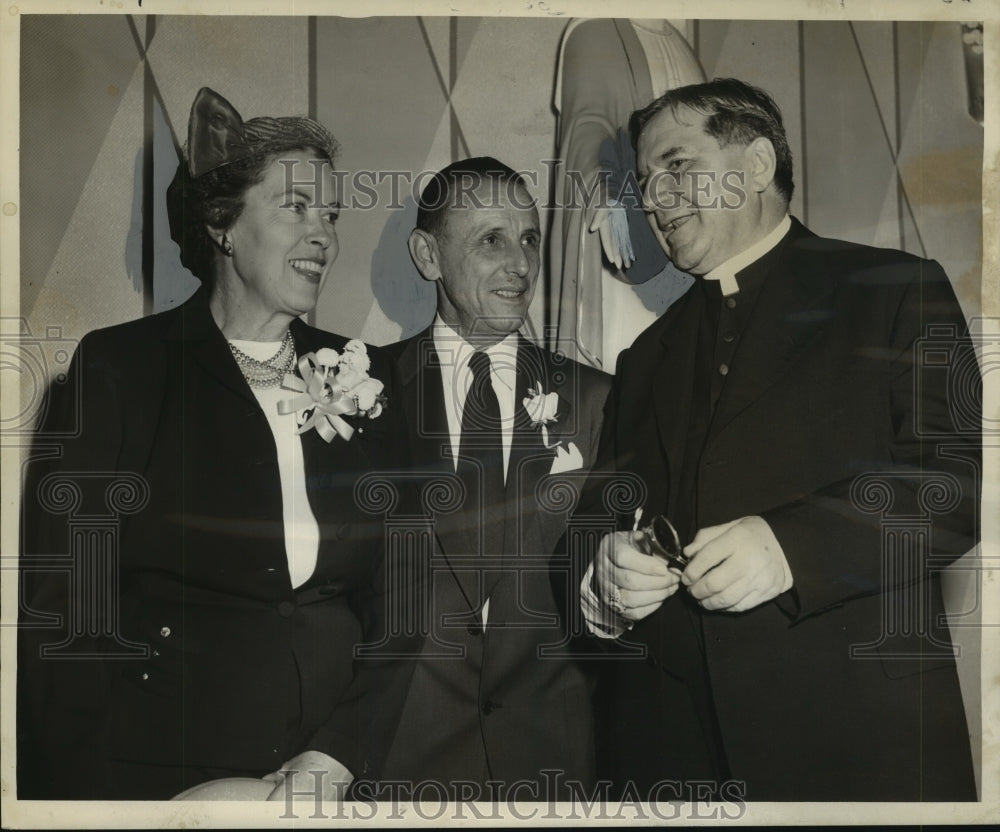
{"points": [[726, 272]]}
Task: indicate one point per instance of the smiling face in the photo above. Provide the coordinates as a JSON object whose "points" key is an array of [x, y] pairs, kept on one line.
{"points": [[486, 261], [702, 200], [283, 243]]}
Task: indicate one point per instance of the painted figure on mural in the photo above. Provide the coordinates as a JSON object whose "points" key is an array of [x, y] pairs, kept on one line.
{"points": [[604, 258]]}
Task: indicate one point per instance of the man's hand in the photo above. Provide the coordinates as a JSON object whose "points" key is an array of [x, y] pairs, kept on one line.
{"points": [[297, 775], [640, 582], [736, 566]]}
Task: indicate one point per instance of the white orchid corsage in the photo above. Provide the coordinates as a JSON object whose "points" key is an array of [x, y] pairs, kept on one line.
{"points": [[331, 385], [543, 410]]}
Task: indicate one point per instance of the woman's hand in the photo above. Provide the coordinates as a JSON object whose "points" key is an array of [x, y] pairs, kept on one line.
{"points": [[309, 774]]}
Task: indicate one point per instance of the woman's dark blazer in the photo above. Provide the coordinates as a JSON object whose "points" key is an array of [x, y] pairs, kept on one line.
{"points": [[214, 659]]}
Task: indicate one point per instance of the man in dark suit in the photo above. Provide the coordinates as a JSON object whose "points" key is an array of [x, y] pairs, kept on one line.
{"points": [[792, 416], [497, 697]]}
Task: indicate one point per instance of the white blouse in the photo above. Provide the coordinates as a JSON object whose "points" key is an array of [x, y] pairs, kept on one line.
{"points": [[301, 529]]}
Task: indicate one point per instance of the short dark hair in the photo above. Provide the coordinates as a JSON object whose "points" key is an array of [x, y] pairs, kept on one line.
{"points": [[446, 188], [215, 198], [737, 113]]}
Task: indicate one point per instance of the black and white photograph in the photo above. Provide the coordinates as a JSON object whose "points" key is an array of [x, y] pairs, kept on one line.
{"points": [[443, 415]]}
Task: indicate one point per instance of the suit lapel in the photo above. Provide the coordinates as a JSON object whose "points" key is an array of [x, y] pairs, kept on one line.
{"points": [[672, 381], [423, 386], [332, 468], [529, 459], [207, 346], [202, 373]]}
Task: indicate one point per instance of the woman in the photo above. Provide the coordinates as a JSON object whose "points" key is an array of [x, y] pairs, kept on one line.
{"points": [[245, 566]]}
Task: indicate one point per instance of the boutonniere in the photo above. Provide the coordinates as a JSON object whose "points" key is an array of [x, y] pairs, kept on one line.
{"points": [[332, 385], [543, 410]]}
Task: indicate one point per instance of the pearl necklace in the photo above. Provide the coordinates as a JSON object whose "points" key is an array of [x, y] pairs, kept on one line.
{"points": [[269, 373]]}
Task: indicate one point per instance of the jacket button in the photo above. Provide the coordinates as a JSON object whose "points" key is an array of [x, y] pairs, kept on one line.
{"points": [[145, 677], [730, 303], [723, 369], [156, 653], [165, 632], [474, 629], [343, 531], [729, 337], [490, 706], [286, 608]]}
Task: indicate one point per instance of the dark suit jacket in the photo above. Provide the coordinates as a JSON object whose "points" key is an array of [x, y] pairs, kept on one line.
{"points": [[494, 705], [206, 656], [849, 420]]}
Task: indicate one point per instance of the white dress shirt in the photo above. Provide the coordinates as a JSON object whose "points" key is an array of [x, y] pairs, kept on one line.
{"points": [[454, 353]]}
